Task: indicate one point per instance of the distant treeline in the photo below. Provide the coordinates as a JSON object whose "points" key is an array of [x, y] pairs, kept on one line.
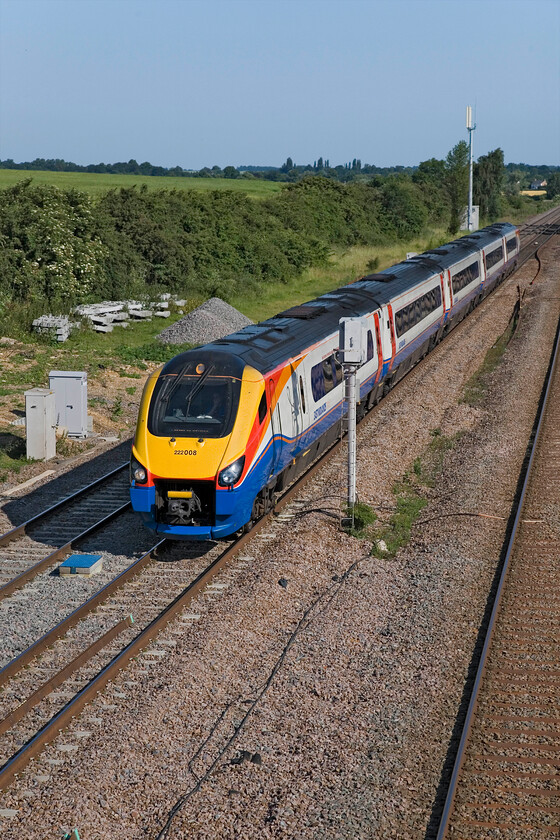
{"points": [[61, 247], [287, 172], [518, 174]]}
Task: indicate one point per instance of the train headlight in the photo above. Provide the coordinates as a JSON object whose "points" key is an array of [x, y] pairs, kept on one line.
{"points": [[230, 475], [138, 472]]}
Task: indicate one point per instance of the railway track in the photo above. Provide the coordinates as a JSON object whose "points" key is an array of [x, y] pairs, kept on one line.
{"points": [[53, 534], [66, 658], [28, 722], [536, 233], [506, 778]]}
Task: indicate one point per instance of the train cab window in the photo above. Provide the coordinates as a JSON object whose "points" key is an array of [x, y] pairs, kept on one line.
{"points": [[337, 371], [328, 374], [194, 406], [262, 408], [369, 345], [302, 393], [317, 382]]}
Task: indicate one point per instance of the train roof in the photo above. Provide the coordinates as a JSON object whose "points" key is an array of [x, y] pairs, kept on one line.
{"points": [[267, 344]]}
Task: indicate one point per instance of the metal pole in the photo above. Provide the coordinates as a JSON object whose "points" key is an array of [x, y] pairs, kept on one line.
{"points": [[470, 221], [351, 392]]}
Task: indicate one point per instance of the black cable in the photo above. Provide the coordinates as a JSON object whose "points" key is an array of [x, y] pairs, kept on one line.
{"points": [[304, 622]]}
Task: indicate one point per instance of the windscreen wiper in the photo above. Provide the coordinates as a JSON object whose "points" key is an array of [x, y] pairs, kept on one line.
{"points": [[197, 388]]}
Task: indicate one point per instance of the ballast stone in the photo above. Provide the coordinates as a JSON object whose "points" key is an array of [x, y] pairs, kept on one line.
{"points": [[211, 321]]}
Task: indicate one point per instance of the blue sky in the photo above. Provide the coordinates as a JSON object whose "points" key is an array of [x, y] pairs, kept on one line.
{"points": [[252, 81]]}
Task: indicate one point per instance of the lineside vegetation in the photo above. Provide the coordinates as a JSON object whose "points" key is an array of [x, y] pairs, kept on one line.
{"points": [[61, 247]]}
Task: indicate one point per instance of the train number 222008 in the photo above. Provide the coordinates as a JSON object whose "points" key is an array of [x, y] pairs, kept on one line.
{"points": [[185, 452]]}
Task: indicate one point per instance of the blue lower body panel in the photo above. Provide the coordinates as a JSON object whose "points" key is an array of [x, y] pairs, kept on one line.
{"points": [[233, 510]]}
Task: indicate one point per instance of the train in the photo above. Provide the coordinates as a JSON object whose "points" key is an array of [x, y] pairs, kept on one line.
{"points": [[225, 427]]}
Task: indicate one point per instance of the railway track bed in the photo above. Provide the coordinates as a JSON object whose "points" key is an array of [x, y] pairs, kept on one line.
{"points": [[354, 691], [508, 770]]}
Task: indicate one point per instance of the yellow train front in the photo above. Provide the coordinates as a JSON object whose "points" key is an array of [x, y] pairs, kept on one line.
{"points": [[197, 461]]}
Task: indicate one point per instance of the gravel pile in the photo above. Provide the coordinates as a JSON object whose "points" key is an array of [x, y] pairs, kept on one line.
{"points": [[212, 320], [316, 696]]}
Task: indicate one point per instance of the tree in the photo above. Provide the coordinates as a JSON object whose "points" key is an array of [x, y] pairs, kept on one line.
{"points": [[488, 177], [553, 185], [457, 183], [288, 165], [230, 172], [431, 176]]}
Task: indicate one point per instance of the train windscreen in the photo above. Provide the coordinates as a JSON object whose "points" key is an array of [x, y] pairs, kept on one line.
{"points": [[194, 405]]}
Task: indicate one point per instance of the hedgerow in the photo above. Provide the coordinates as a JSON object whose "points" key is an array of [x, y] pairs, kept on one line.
{"points": [[63, 247]]}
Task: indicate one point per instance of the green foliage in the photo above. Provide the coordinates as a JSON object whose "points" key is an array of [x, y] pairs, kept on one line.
{"points": [[117, 409], [431, 178], [12, 453], [553, 185], [488, 178], [404, 213], [396, 534], [475, 389], [329, 213], [152, 352], [457, 182], [51, 248], [60, 247], [361, 516]]}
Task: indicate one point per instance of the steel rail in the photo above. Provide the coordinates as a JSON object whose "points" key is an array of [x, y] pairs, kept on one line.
{"points": [[550, 227], [25, 657], [59, 553], [44, 690], [461, 751], [20, 530]]}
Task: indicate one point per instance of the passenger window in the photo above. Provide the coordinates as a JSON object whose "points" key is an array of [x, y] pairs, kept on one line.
{"points": [[262, 408], [317, 382], [302, 393]]}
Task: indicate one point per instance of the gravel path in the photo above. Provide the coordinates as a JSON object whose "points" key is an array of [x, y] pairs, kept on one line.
{"points": [[316, 694]]}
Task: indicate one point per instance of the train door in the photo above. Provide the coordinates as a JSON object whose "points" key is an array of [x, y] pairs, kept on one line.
{"points": [[378, 346], [391, 325], [450, 288], [296, 399], [276, 427]]}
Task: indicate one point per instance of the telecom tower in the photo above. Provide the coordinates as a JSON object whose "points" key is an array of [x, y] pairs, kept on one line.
{"points": [[470, 128]]}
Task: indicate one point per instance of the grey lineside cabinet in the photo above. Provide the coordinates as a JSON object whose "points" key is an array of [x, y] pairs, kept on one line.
{"points": [[70, 389]]}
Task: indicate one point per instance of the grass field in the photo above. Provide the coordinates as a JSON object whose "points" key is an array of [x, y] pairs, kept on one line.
{"points": [[343, 267], [95, 184]]}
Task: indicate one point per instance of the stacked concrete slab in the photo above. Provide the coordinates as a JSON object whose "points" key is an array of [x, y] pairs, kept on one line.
{"points": [[102, 317], [57, 326]]}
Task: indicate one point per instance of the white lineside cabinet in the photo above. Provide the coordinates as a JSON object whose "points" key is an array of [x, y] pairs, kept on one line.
{"points": [[70, 389], [351, 340], [40, 424]]}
